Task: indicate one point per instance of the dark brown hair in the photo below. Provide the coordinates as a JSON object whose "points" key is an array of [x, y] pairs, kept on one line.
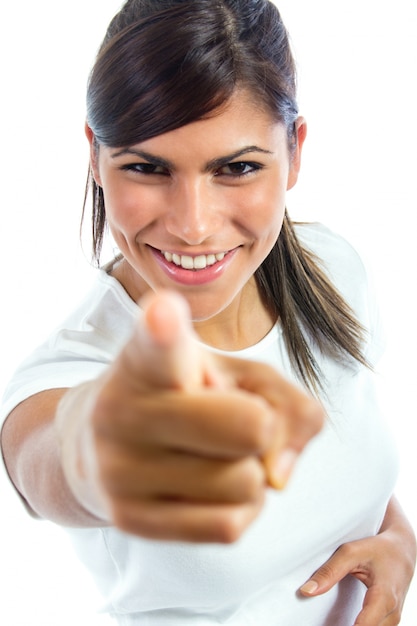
{"points": [[166, 63]]}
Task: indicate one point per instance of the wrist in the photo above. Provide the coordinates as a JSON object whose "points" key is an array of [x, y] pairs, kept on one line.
{"points": [[77, 450]]}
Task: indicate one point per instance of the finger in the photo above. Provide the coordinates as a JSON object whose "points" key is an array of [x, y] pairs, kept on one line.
{"points": [[286, 398], [299, 418], [163, 351], [181, 476], [210, 422], [340, 564], [181, 521], [304, 414]]}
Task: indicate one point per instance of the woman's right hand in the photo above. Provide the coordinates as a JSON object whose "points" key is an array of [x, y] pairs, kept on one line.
{"points": [[177, 442]]}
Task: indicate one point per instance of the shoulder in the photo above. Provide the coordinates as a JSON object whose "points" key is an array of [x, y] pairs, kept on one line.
{"points": [[99, 325], [349, 275], [106, 308], [338, 256], [80, 347]]}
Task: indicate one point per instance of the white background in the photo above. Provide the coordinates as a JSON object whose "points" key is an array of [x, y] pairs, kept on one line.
{"points": [[357, 73]]}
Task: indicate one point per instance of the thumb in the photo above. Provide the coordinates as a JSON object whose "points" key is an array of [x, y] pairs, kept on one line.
{"points": [[166, 320], [164, 351]]}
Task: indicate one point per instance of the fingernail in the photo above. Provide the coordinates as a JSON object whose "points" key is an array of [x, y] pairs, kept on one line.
{"points": [[309, 587], [283, 468]]}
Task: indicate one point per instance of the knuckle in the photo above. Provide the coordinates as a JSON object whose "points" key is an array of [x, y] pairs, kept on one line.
{"points": [[257, 427], [231, 525], [251, 479], [312, 414], [308, 423], [230, 528], [347, 552]]}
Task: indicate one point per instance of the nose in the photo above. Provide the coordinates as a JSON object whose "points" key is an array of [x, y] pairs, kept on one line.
{"points": [[194, 212]]}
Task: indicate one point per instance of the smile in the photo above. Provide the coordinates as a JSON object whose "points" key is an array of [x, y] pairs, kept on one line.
{"points": [[199, 262]]}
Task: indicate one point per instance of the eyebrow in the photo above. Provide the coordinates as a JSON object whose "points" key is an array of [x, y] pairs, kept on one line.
{"points": [[210, 166]]}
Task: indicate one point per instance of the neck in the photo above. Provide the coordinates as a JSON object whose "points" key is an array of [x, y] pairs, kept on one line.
{"points": [[244, 323]]}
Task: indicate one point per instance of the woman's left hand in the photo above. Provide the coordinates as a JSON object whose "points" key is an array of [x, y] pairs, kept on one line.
{"points": [[384, 563]]}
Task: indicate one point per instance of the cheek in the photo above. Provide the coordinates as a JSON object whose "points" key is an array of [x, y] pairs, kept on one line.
{"points": [[127, 209], [263, 210]]}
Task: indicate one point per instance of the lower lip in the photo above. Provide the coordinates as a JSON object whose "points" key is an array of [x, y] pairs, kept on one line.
{"points": [[193, 277]]}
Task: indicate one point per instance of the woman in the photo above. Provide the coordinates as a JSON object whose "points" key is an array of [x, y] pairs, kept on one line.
{"points": [[154, 432]]}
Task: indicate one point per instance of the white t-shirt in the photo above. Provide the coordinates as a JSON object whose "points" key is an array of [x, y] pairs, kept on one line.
{"points": [[338, 493]]}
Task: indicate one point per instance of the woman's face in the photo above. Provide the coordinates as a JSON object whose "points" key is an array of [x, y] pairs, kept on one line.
{"points": [[198, 209]]}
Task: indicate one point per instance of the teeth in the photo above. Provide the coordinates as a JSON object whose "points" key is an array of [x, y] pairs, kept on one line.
{"points": [[187, 262], [200, 262], [194, 263]]}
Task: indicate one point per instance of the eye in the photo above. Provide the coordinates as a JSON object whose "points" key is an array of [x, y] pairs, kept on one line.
{"points": [[238, 169], [145, 168]]}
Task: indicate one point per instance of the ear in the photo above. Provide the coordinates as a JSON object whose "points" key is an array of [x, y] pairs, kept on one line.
{"points": [[93, 154], [300, 135]]}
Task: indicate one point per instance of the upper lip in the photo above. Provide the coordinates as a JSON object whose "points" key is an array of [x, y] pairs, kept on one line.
{"points": [[198, 262], [193, 255], [188, 253]]}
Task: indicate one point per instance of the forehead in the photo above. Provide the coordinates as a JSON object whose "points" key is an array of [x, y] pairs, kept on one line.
{"points": [[243, 103], [241, 121]]}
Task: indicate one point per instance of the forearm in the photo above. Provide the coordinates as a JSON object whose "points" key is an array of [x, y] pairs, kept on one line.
{"points": [[396, 521], [32, 454], [394, 516]]}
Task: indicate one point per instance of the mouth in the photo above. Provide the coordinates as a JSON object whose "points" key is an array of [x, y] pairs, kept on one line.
{"points": [[194, 263], [193, 271]]}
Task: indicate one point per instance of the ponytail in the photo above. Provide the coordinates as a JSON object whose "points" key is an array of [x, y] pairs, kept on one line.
{"points": [[294, 288]]}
